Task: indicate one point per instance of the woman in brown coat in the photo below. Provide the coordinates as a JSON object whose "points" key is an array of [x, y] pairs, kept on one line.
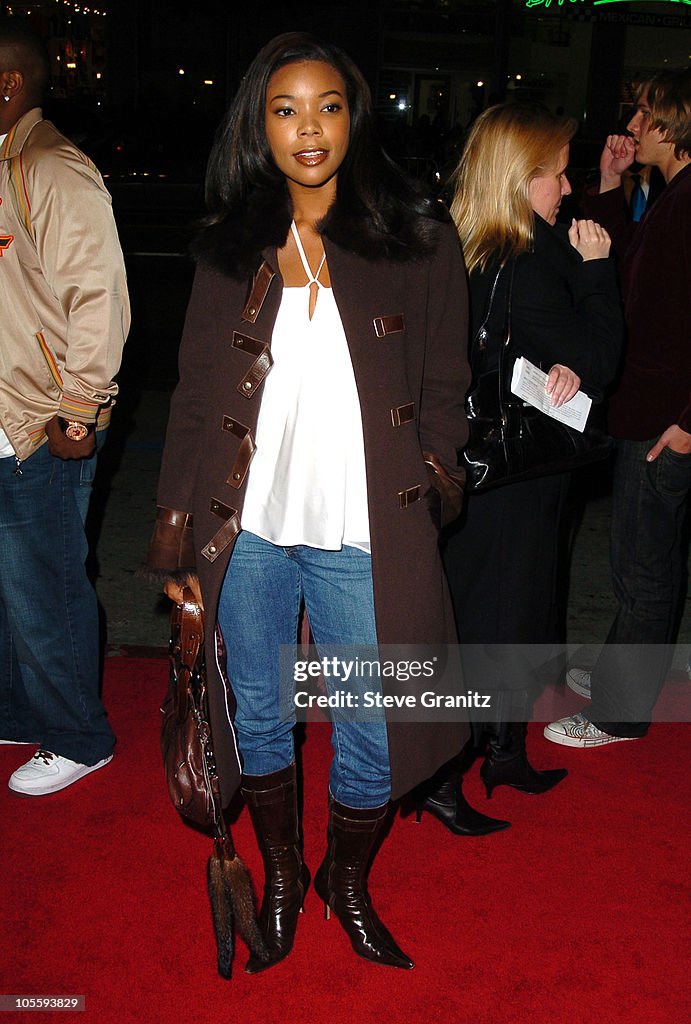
{"points": [[322, 376]]}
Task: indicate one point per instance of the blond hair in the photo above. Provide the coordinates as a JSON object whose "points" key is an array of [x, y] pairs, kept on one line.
{"points": [[507, 147]]}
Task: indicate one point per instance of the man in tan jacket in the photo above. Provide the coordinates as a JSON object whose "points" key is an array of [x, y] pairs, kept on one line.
{"points": [[65, 316]]}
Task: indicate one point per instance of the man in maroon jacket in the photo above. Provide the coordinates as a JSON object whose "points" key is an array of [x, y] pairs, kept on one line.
{"points": [[650, 418]]}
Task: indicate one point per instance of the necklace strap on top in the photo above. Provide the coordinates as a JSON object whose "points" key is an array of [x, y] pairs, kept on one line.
{"points": [[312, 278]]}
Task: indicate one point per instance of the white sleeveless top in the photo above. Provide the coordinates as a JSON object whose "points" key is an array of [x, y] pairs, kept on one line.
{"points": [[307, 481]]}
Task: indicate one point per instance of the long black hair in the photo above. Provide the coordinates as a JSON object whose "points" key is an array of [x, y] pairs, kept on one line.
{"points": [[378, 211]]}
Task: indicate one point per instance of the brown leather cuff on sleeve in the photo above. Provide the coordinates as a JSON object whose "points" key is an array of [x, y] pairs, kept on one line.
{"points": [[172, 542], [447, 487]]}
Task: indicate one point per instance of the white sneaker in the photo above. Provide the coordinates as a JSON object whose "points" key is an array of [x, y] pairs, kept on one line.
{"points": [[577, 731], [48, 773], [578, 680]]}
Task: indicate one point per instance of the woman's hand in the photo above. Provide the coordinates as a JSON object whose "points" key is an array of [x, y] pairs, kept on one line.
{"points": [[562, 384], [174, 590], [589, 239]]}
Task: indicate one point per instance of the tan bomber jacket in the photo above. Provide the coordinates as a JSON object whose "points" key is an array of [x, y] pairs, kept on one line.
{"points": [[63, 292]]}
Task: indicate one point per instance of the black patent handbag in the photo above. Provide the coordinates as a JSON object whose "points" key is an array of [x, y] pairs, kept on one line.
{"points": [[509, 440]]}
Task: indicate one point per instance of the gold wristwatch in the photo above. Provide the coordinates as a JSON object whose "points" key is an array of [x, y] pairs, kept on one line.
{"points": [[75, 430]]}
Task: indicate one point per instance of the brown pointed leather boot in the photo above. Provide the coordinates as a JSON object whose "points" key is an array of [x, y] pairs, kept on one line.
{"points": [[341, 882], [272, 803]]}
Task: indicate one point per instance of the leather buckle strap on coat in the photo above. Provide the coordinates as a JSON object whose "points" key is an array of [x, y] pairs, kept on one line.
{"points": [[384, 325], [230, 529], [402, 414], [245, 451], [259, 368], [409, 496], [260, 287]]}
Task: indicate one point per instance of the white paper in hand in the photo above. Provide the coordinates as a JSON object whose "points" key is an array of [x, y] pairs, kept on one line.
{"points": [[528, 382]]}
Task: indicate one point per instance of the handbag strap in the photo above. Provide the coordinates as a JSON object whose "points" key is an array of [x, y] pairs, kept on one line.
{"points": [[501, 349], [505, 389], [484, 334], [191, 629], [187, 637]]}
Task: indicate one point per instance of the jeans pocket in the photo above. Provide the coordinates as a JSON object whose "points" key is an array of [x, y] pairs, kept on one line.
{"points": [[87, 467], [674, 472], [87, 471]]}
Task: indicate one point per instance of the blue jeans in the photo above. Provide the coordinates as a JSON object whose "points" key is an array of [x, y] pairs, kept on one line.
{"points": [[49, 668], [258, 612], [648, 510]]}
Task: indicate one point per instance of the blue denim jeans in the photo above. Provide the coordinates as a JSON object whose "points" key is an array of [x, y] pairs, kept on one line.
{"points": [[49, 658], [258, 612], [648, 510]]}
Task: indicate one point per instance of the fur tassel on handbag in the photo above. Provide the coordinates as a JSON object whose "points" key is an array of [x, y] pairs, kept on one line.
{"points": [[193, 786], [232, 905]]}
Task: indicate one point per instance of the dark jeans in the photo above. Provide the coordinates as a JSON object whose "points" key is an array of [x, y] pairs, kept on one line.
{"points": [[648, 510], [49, 664]]}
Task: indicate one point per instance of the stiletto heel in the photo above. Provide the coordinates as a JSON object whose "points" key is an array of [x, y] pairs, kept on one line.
{"points": [[489, 786], [445, 802], [506, 764], [341, 882]]}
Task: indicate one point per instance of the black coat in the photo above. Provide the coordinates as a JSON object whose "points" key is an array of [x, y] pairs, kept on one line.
{"points": [[564, 309], [502, 556]]}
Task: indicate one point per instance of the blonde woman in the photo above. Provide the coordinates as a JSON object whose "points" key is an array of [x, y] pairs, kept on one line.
{"points": [[501, 561]]}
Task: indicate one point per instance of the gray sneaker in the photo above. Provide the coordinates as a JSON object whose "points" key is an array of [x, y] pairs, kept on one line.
{"points": [[578, 680], [577, 731]]}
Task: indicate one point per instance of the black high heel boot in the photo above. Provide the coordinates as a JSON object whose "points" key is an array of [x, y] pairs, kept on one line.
{"points": [[272, 803], [446, 802], [506, 763], [341, 882]]}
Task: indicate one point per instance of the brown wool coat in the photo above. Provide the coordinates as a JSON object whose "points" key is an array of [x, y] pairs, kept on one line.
{"points": [[406, 325]]}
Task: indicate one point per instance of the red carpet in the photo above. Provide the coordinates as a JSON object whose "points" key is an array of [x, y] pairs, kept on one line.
{"points": [[578, 913]]}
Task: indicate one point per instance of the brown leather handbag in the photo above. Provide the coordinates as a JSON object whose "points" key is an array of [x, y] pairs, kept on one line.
{"points": [[193, 785], [188, 757]]}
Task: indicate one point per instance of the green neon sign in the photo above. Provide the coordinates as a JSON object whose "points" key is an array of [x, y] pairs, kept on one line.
{"points": [[596, 3]]}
